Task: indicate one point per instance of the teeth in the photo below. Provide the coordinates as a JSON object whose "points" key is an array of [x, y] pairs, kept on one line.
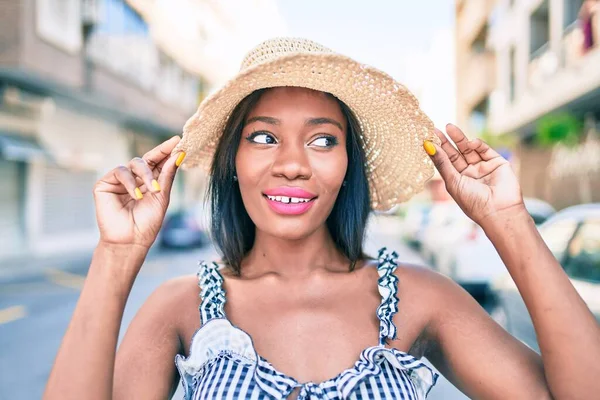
{"points": [[288, 200]]}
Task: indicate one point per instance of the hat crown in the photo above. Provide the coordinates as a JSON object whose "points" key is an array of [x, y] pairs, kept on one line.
{"points": [[273, 49]]}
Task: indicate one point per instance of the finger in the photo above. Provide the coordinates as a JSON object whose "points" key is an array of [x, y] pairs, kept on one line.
{"points": [[459, 138], [483, 149], [454, 155], [441, 161], [161, 152], [121, 180], [141, 169], [169, 169]]}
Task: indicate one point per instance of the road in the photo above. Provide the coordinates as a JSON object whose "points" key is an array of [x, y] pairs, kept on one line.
{"points": [[35, 312]]}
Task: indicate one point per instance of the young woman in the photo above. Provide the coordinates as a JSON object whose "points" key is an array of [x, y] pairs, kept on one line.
{"points": [[304, 143]]}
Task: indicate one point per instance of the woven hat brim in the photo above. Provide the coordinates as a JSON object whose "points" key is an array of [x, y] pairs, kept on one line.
{"points": [[393, 126]]}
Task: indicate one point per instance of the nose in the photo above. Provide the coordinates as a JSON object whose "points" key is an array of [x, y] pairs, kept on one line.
{"points": [[291, 161]]}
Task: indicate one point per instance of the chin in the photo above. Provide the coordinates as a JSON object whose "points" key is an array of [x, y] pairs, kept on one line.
{"points": [[288, 230]]}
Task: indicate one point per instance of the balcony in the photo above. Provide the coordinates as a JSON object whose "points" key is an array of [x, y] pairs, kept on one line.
{"points": [[542, 65], [563, 77]]}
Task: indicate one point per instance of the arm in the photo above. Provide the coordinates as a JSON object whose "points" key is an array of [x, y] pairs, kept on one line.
{"points": [[145, 367], [484, 186], [471, 350], [130, 207], [567, 332]]}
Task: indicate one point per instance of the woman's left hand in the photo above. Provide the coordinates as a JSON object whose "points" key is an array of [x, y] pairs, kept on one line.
{"points": [[479, 179]]}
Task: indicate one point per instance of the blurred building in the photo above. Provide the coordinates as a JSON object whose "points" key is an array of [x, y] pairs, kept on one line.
{"points": [[85, 85], [475, 64], [522, 60]]}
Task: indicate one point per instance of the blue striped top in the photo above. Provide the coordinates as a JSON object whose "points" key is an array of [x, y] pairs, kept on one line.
{"points": [[223, 363]]}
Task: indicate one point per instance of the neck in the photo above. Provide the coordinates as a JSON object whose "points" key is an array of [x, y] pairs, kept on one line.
{"points": [[293, 258]]}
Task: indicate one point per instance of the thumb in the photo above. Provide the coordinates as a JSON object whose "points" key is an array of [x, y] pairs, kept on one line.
{"points": [[168, 172], [442, 163]]}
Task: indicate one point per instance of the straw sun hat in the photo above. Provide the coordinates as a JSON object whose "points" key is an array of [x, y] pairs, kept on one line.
{"points": [[393, 126]]}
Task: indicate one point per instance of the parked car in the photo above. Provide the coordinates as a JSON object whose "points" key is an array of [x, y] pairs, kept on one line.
{"points": [[458, 247], [474, 261], [182, 230], [448, 226], [573, 236]]}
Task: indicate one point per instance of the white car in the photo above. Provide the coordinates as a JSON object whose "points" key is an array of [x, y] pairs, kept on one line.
{"points": [[573, 236], [447, 226], [461, 250]]}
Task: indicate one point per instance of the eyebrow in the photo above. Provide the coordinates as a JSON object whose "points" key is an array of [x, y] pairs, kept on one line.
{"points": [[267, 120], [322, 121], [308, 122]]}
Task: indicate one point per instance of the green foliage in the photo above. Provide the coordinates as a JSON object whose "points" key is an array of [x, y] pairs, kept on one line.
{"points": [[557, 128]]}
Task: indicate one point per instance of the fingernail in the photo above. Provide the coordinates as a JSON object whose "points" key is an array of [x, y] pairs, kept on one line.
{"points": [[155, 185], [138, 193], [429, 147], [180, 158]]}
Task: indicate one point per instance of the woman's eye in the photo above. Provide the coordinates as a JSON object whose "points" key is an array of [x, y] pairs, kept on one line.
{"points": [[261, 138], [324, 141]]}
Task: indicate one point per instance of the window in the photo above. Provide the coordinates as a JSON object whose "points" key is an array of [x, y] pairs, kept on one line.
{"points": [[571, 12], [479, 43], [583, 257], [557, 235], [539, 30]]}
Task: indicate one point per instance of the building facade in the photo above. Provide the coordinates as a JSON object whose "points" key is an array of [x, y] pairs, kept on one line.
{"points": [[541, 59], [83, 88], [475, 64]]}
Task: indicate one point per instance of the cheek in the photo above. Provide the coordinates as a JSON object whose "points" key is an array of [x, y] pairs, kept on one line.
{"points": [[250, 166], [331, 170]]}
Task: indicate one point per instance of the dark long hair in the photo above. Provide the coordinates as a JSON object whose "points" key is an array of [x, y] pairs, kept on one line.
{"points": [[232, 229]]}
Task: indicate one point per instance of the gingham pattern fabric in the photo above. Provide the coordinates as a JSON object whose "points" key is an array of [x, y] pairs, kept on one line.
{"points": [[223, 363]]}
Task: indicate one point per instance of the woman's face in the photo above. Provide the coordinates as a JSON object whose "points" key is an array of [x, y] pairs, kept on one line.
{"points": [[291, 161]]}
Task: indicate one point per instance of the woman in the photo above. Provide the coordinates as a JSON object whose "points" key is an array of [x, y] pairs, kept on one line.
{"points": [[305, 143]]}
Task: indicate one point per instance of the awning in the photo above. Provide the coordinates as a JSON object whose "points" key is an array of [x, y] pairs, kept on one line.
{"points": [[20, 148]]}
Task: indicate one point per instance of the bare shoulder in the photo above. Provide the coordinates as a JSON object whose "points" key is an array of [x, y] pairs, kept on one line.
{"points": [[176, 290], [426, 284], [428, 299]]}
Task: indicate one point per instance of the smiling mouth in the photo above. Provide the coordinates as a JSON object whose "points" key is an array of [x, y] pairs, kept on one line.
{"points": [[289, 200]]}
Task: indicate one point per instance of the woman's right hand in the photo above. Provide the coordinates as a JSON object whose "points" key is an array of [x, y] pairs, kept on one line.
{"points": [[131, 201]]}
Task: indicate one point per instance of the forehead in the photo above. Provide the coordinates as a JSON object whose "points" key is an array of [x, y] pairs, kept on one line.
{"points": [[301, 102]]}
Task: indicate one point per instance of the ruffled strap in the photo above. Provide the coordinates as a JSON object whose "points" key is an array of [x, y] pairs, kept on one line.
{"points": [[212, 293], [388, 288]]}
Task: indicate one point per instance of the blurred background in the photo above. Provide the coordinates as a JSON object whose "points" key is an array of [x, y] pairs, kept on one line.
{"points": [[86, 85]]}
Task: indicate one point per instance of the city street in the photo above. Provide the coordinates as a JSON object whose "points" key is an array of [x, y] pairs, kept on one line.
{"points": [[35, 312], [108, 98]]}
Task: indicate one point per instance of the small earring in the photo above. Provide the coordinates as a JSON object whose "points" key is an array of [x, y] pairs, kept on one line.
{"points": [[344, 183], [235, 178]]}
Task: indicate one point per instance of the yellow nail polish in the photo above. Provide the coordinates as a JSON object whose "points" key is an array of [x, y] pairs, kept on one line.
{"points": [[155, 185], [429, 147], [180, 158], [138, 193]]}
